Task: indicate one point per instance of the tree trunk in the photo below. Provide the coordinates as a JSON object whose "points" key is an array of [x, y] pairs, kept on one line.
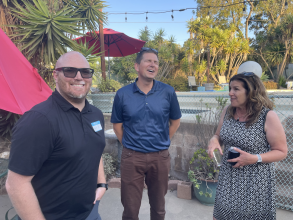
{"points": [[283, 65], [208, 66], [247, 19], [101, 36], [271, 72]]}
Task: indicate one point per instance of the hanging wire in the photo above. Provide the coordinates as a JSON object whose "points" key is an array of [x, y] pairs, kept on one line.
{"points": [[172, 16], [183, 9], [125, 16], [146, 18]]}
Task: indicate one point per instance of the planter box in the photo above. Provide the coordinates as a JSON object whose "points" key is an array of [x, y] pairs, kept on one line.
{"points": [[184, 190], [201, 88], [208, 86]]}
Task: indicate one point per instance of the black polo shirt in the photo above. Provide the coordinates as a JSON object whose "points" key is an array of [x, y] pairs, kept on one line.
{"points": [[61, 147]]}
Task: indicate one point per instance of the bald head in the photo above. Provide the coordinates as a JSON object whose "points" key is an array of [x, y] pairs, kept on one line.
{"points": [[72, 59]]}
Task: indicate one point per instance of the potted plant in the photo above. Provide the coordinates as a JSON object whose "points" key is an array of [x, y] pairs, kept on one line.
{"points": [[203, 172], [204, 176]]}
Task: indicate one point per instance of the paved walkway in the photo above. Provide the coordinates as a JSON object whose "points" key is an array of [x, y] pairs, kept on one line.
{"points": [[177, 209]]}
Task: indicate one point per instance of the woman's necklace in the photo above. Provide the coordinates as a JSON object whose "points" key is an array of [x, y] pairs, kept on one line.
{"points": [[238, 117]]}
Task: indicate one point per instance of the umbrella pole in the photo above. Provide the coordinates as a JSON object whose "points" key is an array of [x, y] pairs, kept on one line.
{"points": [[109, 64]]}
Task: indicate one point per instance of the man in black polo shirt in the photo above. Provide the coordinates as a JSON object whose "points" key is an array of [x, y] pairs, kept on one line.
{"points": [[55, 161], [145, 115]]}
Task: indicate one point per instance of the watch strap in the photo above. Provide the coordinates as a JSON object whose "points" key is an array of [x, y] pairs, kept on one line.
{"points": [[259, 159], [105, 185]]}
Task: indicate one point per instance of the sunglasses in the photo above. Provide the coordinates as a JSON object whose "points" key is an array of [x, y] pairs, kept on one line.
{"points": [[247, 73], [71, 72], [149, 49]]}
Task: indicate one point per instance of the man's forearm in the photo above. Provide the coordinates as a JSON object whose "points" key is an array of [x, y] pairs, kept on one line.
{"points": [[101, 173], [118, 129], [24, 200], [174, 125]]}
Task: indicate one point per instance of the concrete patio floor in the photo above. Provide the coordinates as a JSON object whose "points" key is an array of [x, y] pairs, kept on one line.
{"points": [[177, 209]]}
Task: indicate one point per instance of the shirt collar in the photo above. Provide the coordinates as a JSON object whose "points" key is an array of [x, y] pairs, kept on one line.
{"points": [[65, 105], [155, 87]]}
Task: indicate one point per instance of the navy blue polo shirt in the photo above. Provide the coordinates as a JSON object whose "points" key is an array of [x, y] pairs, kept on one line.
{"points": [[145, 117], [57, 144]]}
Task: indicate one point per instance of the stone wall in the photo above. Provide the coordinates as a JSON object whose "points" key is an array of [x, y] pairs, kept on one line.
{"points": [[183, 145]]}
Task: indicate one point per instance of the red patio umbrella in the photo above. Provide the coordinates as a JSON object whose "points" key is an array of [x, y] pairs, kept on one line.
{"points": [[21, 87], [117, 44]]}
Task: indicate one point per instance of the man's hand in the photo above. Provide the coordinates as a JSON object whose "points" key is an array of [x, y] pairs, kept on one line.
{"points": [[99, 193]]}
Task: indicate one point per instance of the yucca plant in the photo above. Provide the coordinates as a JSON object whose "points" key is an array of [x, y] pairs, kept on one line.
{"points": [[90, 11], [45, 33]]}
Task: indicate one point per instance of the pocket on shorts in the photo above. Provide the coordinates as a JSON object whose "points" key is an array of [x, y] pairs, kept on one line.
{"points": [[164, 153], [126, 153]]}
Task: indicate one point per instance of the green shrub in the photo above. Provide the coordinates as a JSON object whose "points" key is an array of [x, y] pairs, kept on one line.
{"points": [[109, 165], [264, 77], [7, 121], [270, 85], [179, 83], [282, 82], [109, 85]]}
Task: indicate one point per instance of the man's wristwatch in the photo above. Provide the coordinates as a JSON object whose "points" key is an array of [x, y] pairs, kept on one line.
{"points": [[102, 185], [259, 159]]}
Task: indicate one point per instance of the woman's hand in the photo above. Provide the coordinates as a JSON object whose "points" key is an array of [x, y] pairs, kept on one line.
{"points": [[213, 145], [244, 159]]}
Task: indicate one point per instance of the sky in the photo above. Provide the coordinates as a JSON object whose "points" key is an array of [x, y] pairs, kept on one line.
{"points": [[177, 27]]}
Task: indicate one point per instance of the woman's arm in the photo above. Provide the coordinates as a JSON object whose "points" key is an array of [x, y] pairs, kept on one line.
{"points": [[215, 140], [277, 139]]}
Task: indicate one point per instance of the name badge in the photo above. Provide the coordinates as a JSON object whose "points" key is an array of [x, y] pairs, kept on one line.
{"points": [[97, 126]]}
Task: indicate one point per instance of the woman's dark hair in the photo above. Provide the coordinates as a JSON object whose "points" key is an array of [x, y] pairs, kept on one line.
{"points": [[256, 97]]}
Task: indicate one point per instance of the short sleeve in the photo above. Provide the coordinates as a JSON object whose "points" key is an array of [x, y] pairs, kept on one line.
{"points": [[117, 110], [31, 145], [175, 112]]}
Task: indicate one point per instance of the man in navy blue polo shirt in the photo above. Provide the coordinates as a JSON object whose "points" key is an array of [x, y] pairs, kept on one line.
{"points": [[55, 162], [145, 116]]}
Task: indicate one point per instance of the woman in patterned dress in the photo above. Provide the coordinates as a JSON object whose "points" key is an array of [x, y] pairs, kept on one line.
{"points": [[247, 190]]}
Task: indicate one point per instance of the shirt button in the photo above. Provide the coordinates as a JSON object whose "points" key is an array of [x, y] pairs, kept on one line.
{"points": [[146, 103]]}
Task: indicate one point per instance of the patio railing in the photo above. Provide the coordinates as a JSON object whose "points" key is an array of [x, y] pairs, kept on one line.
{"points": [[192, 103]]}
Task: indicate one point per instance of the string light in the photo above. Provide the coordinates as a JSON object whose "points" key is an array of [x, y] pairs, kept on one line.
{"points": [[183, 9]]}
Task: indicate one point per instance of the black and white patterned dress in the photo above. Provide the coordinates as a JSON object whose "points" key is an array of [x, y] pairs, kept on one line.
{"points": [[247, 193]]}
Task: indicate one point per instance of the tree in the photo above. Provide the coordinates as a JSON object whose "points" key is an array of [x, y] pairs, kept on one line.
{"points": [[169, 54], [283, 33], [225, 13], [225, 45], [274, 10]]}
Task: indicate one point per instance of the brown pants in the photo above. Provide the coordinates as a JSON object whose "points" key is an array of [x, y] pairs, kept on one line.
{"points": [[154, 169]]}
